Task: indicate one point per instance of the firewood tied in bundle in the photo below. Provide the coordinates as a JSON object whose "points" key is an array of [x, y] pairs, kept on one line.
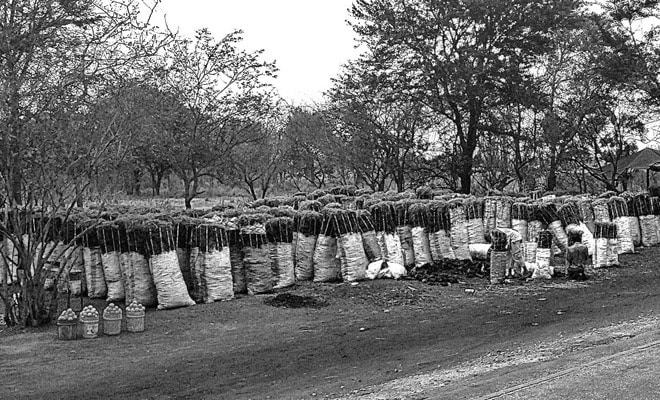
{"points": [[647, 221], [353, 258], [543, 269], [256, 254], [140, 284], [499, 256], [458, 230], [612, 256], [475, 221], [171, 289], [212, 267], [236, 260], [389, 242], [601, 210], [94, 275], [230, 223], [490, 213], [183, 227], [310, 205], [258, 274], [404, 230], [439, 237], [369, 238], [74, 267], [621, 218], [434, 243], [307, 225], [420, 220], [279, 232], [534, 226], [548, 214], [108, 235], [587, 216], [327, 266], [602, 254], [196, 279], [633, 218], [503, 212], [655, 207], [519, 218]]}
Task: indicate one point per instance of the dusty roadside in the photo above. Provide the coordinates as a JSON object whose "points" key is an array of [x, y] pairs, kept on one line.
{"points": [[355, 342]]}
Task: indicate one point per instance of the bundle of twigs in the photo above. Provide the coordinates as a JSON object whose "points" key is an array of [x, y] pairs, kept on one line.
{"points": [[280, 230], [253, 232], [384, 216], [424, 193], [520, 211], [474, 208], [401, 212], [365, 221], [307, 223], [618, 207], [316, 194], [419, 214], [569, 214], [327, 199], [312, 205]]}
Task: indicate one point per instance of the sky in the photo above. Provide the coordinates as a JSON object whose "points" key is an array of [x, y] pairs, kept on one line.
{"points": [[309, 39]]}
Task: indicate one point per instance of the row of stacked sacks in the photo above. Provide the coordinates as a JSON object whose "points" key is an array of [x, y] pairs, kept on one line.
{"points": [[176, 260], [414, 232], [84, 257], [326, 237]]}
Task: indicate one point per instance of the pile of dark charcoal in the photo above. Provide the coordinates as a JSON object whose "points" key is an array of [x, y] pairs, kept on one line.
{"points": [[448, 272], [288, 300]]}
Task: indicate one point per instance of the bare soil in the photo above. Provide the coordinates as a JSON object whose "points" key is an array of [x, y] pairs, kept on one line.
{"points": [[335, 340]]}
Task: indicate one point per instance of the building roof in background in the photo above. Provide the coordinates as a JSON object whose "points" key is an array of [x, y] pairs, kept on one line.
{"points": [[644, 159]]}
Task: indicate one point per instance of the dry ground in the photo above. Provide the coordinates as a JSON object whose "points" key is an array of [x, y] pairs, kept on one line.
{"points": [[372, 340]]}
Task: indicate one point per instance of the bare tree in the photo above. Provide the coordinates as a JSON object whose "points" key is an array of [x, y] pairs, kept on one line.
{"points": [[225, 91], [57, 60]]}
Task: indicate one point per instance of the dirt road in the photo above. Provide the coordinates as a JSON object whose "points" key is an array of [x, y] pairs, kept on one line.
{"points": [[378, 339]]}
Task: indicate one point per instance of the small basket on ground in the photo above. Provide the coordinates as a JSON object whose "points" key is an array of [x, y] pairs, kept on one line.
{"points": [[67, 325], [135, 317], [112, 320], [89, 320]]}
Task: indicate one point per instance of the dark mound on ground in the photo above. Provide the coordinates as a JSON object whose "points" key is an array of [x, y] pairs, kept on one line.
{"points": [[447, 271], [287, 300]]}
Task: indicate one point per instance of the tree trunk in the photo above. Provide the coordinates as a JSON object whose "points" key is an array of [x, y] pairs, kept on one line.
{"points": [[468, 146], [265, 186], [156, 182], [465, 173], [136, 181], [250, 186], [551, 183], [17, 187], [128, 186], [519, 162], [187, 197], [624, 183], [400, 179]]}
